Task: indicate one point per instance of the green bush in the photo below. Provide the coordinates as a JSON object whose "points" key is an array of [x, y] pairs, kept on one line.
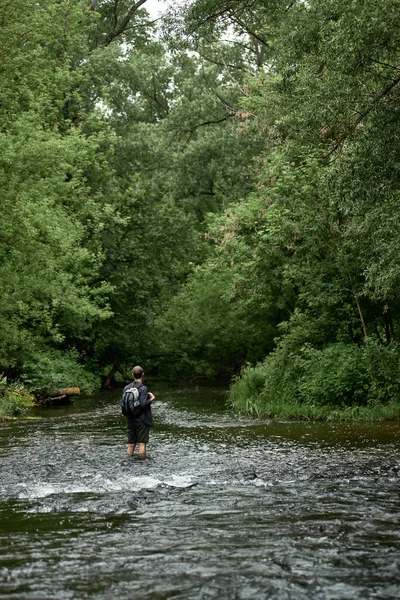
{"points": [[320, 383], [51, 370], [246, 389], [14, 399], [334, 376]]}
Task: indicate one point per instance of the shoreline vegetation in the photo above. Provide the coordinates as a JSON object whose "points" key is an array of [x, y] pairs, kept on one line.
{"points": [[15, 400], [246, 396], [204, 195], [295, 411], [337, 383]]}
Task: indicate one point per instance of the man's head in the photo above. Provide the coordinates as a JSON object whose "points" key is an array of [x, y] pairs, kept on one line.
{"points": [[137, 372]]}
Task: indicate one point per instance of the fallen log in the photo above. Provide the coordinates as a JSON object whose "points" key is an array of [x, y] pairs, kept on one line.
{"points": [[73, 391], [60, 396]]}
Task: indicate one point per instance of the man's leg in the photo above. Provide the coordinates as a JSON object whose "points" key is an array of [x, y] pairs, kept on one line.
{"points": [[132, 437], [142, 450]]}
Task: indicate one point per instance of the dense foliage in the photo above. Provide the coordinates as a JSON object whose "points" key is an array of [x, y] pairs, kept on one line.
{"points": [[309, 260], [219, 196], [113, 148]]}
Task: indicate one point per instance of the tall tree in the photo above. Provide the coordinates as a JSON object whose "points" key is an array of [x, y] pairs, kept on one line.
{"points": [[318, 238], [47, 269], [115, 147]]}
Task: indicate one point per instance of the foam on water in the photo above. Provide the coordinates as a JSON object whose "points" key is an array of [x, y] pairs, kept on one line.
{"points": [[40, 490]]}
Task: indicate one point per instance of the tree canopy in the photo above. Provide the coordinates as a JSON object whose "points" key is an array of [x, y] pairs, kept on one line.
{"points": [[215, 192]]}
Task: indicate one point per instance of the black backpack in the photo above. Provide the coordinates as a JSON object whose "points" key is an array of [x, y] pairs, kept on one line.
{"points": [[130, 405]]}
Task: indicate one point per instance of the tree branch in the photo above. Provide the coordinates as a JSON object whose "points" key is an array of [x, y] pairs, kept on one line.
{"points": [[115, 12], [234, 109], [211, 17], [214, 122], [249, 31], [227, 41], [142, 25], [346, 134], [221, 64], [122, 26], [156, 100], [384, 64], [191, 130], [354, 292]]}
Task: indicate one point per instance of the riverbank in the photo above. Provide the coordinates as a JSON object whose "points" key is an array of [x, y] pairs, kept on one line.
{"points": [[295, 411], [336, 385], [16, 403], [15, 400]]}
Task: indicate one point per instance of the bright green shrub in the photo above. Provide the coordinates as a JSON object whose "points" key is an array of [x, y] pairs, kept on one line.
{"points": [[316, 382], [14, 399], [51, 370]]}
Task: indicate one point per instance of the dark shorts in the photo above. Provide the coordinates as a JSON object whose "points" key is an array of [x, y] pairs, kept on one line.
{"points": [[138, 433]]}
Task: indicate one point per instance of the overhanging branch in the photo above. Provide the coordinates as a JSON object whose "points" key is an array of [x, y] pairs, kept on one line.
{"points": [[365, 113], [122, 26]]}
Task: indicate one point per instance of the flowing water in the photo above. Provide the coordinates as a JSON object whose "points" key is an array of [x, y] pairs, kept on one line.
{"points": [[224, 508]]}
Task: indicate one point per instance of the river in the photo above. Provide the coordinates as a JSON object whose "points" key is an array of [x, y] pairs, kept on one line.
{"points": [[225, 507]]}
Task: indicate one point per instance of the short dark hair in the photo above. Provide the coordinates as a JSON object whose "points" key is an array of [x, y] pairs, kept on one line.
{"points": [[137, 372]]}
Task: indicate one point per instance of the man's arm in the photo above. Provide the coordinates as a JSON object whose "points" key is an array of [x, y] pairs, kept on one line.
{"points": [[145, 398]]}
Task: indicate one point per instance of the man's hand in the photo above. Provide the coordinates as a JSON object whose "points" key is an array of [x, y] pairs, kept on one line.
{"points": [[151, 397]]}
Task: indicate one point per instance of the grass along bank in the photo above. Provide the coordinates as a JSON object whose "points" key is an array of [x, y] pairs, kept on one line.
{"points": [[295, 411]]}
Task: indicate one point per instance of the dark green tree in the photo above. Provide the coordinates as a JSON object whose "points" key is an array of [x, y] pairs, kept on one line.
{"points": [[315, 247]]}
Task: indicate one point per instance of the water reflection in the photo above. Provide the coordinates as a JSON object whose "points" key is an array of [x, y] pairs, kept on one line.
{"points": [[225, 508]]}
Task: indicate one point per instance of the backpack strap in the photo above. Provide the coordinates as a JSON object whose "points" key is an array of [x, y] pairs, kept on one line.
{"points": [[139, 382]]}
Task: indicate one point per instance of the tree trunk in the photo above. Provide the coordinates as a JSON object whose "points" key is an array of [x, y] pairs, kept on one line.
{"points": [[360, 312], [110, 377]]}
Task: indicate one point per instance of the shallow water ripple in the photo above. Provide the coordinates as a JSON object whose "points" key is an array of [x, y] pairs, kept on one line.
{"points": [[225, 508]]}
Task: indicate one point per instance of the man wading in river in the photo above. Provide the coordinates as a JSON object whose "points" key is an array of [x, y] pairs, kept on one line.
{"points": [[139, 424]]}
